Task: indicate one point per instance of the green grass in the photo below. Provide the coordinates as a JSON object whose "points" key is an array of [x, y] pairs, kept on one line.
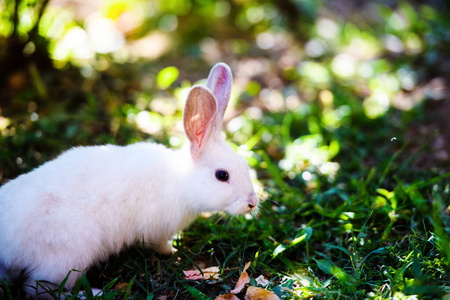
{"points": [[370, 232]]}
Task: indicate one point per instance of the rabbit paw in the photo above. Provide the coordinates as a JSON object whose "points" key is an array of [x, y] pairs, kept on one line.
{"points": [[166, 248]]}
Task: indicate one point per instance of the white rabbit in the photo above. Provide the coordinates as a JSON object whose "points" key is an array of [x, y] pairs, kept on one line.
{"points": [[91, 202]]}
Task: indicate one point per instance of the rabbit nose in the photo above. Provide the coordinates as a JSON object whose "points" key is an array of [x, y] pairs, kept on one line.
{"points": [[252, 200]]}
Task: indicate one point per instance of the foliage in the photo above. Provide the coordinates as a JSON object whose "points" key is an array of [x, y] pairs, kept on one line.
{"points": [[339, 110]]}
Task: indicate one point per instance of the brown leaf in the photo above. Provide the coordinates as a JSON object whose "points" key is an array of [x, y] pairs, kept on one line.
{"points": [[208, 273], [256, 293], [243, 280], [227, 297], [121, 286]]}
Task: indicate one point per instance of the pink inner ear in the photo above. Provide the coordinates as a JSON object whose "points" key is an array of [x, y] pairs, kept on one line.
{"points": [[199, 116], [219, 82], [200, 128]]}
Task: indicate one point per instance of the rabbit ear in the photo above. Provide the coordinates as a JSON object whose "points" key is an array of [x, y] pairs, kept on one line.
{"points": [[219, 82], [199, 115]]}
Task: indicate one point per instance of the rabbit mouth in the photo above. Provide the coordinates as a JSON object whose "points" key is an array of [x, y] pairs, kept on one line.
{"points": [[252, 209], [244, 205]]}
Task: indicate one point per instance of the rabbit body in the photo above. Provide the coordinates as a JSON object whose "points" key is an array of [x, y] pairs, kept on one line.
{"points": [[91, 202], [88, 204]]}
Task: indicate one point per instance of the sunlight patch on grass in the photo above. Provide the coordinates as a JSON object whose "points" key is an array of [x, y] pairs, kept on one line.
{"points": [[307, 154]]}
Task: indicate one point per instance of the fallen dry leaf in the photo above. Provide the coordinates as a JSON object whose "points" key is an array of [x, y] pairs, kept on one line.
{"points": [[243, 280], [256, 293], [208, 273], [227, 297], [121, 286], [261, 280]]}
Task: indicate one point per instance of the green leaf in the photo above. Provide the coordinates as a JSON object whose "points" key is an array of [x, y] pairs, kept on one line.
{"points": [[77, 287], [337, 272], [253, 88], [166, 77], [279, 249], [111, 284], [86, 286], [196, 293], [128, 291], [324, 265], [298, 240], [63, 284]]}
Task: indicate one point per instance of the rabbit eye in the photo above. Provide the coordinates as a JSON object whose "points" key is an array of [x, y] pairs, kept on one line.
{"points": [[222, 175]]}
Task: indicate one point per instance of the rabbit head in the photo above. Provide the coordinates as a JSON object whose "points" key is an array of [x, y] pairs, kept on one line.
{"points": [[223, 175]]}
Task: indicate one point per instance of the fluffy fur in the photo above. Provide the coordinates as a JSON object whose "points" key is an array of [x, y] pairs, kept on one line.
{"points": [[90, 202]]}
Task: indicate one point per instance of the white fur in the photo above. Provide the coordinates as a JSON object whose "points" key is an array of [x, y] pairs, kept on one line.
{"points": [[91, 202]]}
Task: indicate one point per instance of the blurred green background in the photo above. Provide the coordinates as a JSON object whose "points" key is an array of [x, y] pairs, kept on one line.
{"points": [[342, 108], [307, 75]]}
